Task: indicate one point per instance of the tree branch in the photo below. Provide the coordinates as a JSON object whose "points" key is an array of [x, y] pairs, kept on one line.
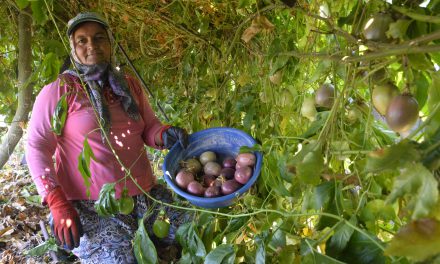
{"points": [[15, 131], [397, 50]]}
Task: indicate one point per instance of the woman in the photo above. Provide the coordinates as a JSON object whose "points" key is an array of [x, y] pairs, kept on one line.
{"points": [[110, 109]]}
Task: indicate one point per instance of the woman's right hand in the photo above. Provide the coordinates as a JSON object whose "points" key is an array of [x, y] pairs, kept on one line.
{"points": [[66, 225]]}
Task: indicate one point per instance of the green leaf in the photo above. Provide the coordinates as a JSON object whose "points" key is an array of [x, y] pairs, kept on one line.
{"points": [[278, 239], [334, 205], [348, 20], [223, 254], [55, 46], [107, 205], [243, 3], [433, 103], [88, 152], [272, 176], [309, 170], [248, 120], [236, 223], [280, 62], [287, 254], [420, 88], [50, 67], [309, 255], [362, 250], [392, 157], [398, 29], [190, 241], [143, 247], [39, 12], [418, 240], [320, 195], [342, 235], [59, 115], [376, 210], [316, 125], [40, 250], [208, 234], [84, 164], [420, 185], [22, 4], [84, 170], [420, 62], [34, 199], [275, 48], [322, 69]]}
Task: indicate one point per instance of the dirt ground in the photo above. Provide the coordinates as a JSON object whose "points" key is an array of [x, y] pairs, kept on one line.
{"points": [[20, 215]]}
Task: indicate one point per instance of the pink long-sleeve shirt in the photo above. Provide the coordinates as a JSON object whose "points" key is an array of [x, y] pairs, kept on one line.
{"points": [[127, 137]]}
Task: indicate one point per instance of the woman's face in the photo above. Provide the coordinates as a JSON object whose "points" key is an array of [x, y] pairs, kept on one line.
{"points": [[91, 43]]}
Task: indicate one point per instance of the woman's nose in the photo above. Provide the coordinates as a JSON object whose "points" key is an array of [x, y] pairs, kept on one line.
{"points": [[91, 44]]}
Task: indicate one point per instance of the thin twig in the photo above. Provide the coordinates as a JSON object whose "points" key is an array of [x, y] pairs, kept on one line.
{"points": [[52, 253]]}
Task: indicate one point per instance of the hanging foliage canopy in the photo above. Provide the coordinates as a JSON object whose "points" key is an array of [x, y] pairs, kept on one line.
{"points": [[343, 96]]}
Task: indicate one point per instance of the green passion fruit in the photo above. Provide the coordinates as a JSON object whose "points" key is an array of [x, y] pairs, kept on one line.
{"points": [[126, 205], [376, 27], [161, 228], [308, 109], [402, 113], [382, 96]]}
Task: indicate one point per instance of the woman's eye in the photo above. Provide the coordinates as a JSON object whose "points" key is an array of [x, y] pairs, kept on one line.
{"points": [[81, 41], [101, 38]]}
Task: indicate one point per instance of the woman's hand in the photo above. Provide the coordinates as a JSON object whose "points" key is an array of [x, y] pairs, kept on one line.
{"points": [[66, 225], [173, 134]]}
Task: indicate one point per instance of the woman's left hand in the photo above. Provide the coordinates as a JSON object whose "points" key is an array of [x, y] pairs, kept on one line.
{"points": [[174, 134]]}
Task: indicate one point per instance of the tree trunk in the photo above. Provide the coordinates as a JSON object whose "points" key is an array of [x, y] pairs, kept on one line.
{"points": [[15, 131]]}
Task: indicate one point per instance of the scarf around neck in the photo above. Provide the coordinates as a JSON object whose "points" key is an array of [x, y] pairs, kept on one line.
{"points": [[98, 77]]}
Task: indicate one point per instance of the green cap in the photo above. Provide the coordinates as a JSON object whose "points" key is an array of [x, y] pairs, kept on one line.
{"points": [[85, 17]]}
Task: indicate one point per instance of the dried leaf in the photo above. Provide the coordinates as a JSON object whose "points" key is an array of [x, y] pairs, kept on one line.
{"points": [[6, 231], [263, 23], [417, 240], [249, 33]]}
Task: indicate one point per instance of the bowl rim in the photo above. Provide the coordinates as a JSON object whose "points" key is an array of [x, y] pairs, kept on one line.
{"points": [[199, 200]]}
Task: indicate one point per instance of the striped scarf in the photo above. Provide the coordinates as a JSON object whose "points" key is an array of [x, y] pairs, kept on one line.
{"points": [[96, 77]]}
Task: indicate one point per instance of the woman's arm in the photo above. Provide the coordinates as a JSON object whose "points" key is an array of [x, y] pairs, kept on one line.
{"points": [[41, 141], [153, 127]]}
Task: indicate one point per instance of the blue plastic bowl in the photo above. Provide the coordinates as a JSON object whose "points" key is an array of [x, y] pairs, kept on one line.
{"points": [[224, 142]]}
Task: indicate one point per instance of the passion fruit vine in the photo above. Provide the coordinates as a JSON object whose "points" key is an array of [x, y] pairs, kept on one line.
{"points": [[402, 113]]}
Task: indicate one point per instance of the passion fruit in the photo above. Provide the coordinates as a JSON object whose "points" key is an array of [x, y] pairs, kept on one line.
{"points": [[325, 95], [376, 27], [161, 228], [353, 114], [308, 109], [382, 96], [402, 113]]}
